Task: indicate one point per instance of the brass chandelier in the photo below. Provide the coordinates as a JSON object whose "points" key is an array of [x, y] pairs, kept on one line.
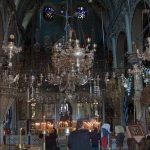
{"points": [[71, 62]]}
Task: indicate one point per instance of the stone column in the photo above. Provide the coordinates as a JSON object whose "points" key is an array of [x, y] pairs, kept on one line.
{"points": [[17, 3], [103, 106], [1, 132], [14, 121], [128, 33], [114, 52], [6, 27], [122, 116], [73, 105], [77, 111], [138, 87]]}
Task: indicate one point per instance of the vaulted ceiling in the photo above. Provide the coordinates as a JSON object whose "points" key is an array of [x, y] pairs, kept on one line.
{"points": [[27, 9], [28, 12]]}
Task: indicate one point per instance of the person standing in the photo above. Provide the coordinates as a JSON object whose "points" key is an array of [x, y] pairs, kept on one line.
{"points": [[51, 140], [119, 131], [95, 137], [105, 135], [80, 138]]}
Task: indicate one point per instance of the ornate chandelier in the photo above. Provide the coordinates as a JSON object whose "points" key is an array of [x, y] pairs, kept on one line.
{"points": [[71, 63], [139, 69], [10, 49], [8, 81]]}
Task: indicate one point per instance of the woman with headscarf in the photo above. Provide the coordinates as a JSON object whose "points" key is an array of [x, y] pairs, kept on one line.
{"points": [[119, 131]]}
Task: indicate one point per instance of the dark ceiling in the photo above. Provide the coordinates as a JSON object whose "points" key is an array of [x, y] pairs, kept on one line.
{"points": [[27, 11], [29, 14], [34, 28]]}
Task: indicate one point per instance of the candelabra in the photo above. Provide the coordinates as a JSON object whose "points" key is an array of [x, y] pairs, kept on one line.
{"points": [[8, 81], [127, 83], [138, 61], [10, 49], [21, 145]]}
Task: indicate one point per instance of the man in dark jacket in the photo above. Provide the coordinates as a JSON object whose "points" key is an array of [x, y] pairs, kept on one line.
{"points": [[51, 140], [95, 137], [80, 138]]}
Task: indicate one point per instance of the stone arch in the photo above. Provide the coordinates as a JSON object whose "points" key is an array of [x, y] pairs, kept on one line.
{"points": [[121, 49], [118, 27], [137, 25], [134, 4]]}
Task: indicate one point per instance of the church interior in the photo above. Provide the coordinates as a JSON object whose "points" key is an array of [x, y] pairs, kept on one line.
{"points": [[68, 60]]}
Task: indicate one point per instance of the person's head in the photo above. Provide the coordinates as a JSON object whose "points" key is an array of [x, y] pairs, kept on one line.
{"points": [[95, 129], [79, 124], [54, 130]]}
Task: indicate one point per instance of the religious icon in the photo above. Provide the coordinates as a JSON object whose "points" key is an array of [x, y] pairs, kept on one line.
{"points": [[136, 130]]}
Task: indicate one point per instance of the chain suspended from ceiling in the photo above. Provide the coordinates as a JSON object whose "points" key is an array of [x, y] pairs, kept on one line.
{"points": [[71, 62]]}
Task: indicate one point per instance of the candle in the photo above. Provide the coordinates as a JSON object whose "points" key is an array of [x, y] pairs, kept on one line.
{"points": [[20, 137]]}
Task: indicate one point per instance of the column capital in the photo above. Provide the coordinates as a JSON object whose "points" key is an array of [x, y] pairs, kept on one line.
{"points": [[125, 11], [113, 35]]}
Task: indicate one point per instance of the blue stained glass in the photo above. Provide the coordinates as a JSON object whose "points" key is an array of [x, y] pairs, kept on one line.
{"points": [[81, 12], [48, 13]]}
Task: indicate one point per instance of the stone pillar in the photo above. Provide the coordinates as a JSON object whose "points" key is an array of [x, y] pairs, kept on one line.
{"points": [[73, 105], [138, 87], [17, 3], [57, 116], [1, 132], [128, 33], [103, 105], [14, 121], [77, 110], [137, 103], [121, 111], [143, 119], [114, 52], [6, 30]]}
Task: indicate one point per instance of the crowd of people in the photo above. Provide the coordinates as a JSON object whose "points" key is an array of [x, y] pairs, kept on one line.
{"points": [[82, 139]]}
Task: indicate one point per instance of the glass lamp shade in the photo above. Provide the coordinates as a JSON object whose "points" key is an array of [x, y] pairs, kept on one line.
{"points": [[48, 13], [81, 12]]}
